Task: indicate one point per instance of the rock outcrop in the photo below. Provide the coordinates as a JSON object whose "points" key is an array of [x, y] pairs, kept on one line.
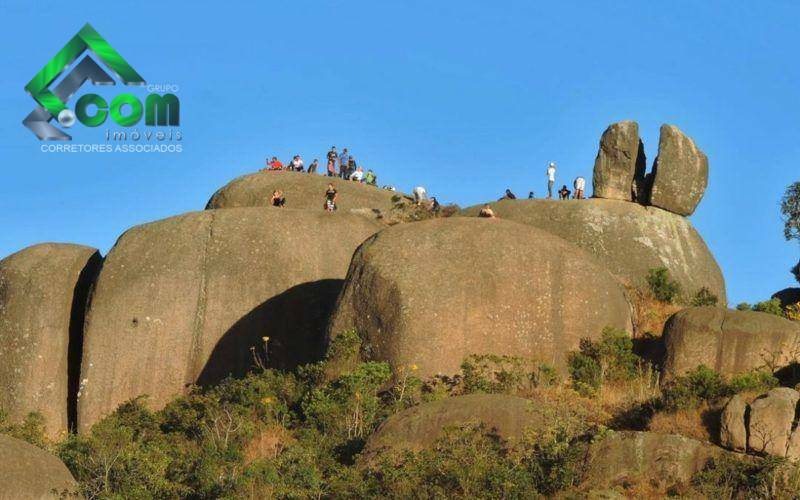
{"points": [[182, 300], [666, 459], [680, 173], [728, 341], [432, 293], [417, 428], [620, 164], [766, 426], [787, 296], [628, 238], [43, 294], [301, 191], [30, 473]]}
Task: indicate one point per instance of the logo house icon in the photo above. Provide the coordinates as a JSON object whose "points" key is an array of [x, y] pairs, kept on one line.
{"points": [[53, 103]]}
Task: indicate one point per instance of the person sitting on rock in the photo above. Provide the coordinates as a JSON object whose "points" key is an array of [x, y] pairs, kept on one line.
{"points": [[277, 200], [435, 207], [358, 175], [487, 212], [333, 155], [420, 195], [580, 186], [370, 178], [564, 193], [275, 164], [351, 167], [312, 169], [330, 198], [509, 195], [530, 195], [297, 164]]}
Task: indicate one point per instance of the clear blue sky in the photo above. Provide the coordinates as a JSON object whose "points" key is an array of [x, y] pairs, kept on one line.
{"points": [[464, 97]]}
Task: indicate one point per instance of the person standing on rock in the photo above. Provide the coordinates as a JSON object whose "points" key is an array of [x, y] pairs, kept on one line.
{"points": [[344, 161], [330, 198], [312, 169], [420, 195], [580, 186], [551, 179], [333, 155]]}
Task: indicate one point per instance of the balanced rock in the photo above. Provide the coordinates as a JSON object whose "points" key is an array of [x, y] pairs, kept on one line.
{"points": [[43, 294], [30, 473], [182, 300], [771, 419], [623, 457], [680, 173], [301, 191], [733, 431], [629, 239], [417, 428], [431, 293], [620, 164], [730, 342]]}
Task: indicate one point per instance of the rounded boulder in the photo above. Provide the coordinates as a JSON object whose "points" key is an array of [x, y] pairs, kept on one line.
{"points": [[431, 293], [30, 473], [197, 297], [43, 294], [301, 190], [628, 238]]}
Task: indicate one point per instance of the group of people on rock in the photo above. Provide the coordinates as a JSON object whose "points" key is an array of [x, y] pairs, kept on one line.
{"points": [[345, 162]]}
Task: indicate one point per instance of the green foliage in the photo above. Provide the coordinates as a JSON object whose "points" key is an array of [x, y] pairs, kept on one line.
{"points": [[772, 306], [790, 210], [744, 306], [490, 373], [733, 477], [704, 384], [704, 297], [796, 271], [662, 286], [31, 429], [609, 359]]}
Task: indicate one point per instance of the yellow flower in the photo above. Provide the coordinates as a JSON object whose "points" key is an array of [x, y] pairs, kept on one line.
{"points": [[267, 400], [413, 368]]}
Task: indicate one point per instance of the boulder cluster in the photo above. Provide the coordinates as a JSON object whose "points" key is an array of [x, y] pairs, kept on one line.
{"points": [[765, 426]]}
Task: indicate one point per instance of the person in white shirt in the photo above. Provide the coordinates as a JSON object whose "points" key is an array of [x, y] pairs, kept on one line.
{"points": [[420, 194], [357, 175], [551, 179], [296, 164], [580, 186]]}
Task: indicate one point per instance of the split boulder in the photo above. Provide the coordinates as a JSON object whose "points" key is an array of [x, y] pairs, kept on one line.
{"points": [[431, 293], [43, 295], [733, 431], [620, 164], [771, 420], [680, 173], [183, 300]]}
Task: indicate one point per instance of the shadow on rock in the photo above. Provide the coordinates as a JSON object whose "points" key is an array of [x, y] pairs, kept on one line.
{"points": [[295, 323]]}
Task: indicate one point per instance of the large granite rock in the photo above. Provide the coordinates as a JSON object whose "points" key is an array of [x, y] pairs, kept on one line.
{"points": [[30, 473], [665, 459], [728, 341], [432, 293], [733, 431], [417, 428], [43, 294], [182, 300], [628, 238], [771, 420], [680, 173], [301, 191], [620, 164]]}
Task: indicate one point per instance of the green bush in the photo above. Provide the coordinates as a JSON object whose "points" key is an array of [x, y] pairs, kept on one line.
{"points": [[490, 373], [609, 359], [744, 306], [31, 429], [733, 477], [662, 286], [704, 384], [772, 306], [704, 297]]}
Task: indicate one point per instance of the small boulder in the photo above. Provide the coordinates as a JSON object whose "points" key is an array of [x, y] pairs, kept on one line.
{"points": [[431, 293], [727, 341], [628, 238], [183, 300], [417, 428], [301, 190], [43, 296], [620, 164], [771, 419], [733, 432], [680, 173], [668, 459], [30, 473]]}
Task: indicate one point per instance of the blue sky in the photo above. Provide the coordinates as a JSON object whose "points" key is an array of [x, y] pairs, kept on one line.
{"points": [[464, 97]]}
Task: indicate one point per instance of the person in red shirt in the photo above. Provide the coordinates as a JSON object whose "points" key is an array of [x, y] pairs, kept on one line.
{"points": [[275, 164]]}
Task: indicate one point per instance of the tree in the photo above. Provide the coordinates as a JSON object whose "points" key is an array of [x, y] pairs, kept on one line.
{"points": [[790, 209]]}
